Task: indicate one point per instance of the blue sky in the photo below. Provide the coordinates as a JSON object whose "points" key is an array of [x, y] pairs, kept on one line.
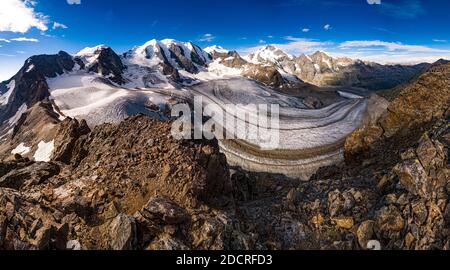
{"points": [[403, 31]]}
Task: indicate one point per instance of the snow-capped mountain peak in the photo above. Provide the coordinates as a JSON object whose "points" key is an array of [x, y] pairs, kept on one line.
{"points": [[269, 53], [90, 55], [215, 49], [89, 51], [180, 55]]}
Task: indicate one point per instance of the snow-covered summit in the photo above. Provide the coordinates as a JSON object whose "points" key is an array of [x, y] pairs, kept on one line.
{"points": [[215, 49], [169, 52], [89, 51], [269, 53], [90, 55]]}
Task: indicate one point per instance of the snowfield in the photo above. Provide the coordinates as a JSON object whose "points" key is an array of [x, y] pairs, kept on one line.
{"points": [[91, 98]]}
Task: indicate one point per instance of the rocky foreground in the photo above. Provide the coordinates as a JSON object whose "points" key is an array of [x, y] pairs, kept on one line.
{"points": [[131, 186]]}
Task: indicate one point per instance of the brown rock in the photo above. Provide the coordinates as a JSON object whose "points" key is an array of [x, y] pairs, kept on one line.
{"points": [[409, 241], [32, 175], [365, 233], [389, 219], [3, 229], [344, 223], [164, 210], [122, 233], [318, 220], [43, 238]]}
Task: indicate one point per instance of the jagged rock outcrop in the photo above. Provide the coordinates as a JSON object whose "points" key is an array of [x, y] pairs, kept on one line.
{"points": [[102, 60], [29, 85], [125, 187], [33, 126]]}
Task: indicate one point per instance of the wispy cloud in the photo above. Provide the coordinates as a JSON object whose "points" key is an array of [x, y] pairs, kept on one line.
{"points": [[207, 38], [57, 25], [389, 46], [24, 39], [440, 40], [385, 52], [306, 30], [403, 9], [327, 27], [74, 2], [20, 39], [374, 2]]}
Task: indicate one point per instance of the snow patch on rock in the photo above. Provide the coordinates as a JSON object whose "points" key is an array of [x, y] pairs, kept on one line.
{"points": [[22, 109], [44, 151], [4, 99], [21, 149]]}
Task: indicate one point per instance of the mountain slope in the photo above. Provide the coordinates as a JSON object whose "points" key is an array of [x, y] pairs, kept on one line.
{"points": [[413, 108]]}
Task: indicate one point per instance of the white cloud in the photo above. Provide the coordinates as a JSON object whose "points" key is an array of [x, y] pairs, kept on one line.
{"points": [[20, 16], [440, 40], [24, 39], [306, 30], [327, 27], [262, 41], [303, 45], [389, 46], [207, 38], [74, 2], [385, 52], [20, 39], [57, 25], [270, 37], [401, 58], [374, 2]]}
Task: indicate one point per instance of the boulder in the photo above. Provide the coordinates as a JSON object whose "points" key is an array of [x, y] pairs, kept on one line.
{"points": [[164, 211], [122, 233], [365, 233], [35, 174]]}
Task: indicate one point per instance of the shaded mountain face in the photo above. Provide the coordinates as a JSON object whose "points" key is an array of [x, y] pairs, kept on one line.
{"points": [[102, 60], [29, 85]]}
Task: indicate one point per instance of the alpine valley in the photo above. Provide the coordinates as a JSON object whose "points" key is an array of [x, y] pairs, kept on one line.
{"points": [[89, 162]]}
